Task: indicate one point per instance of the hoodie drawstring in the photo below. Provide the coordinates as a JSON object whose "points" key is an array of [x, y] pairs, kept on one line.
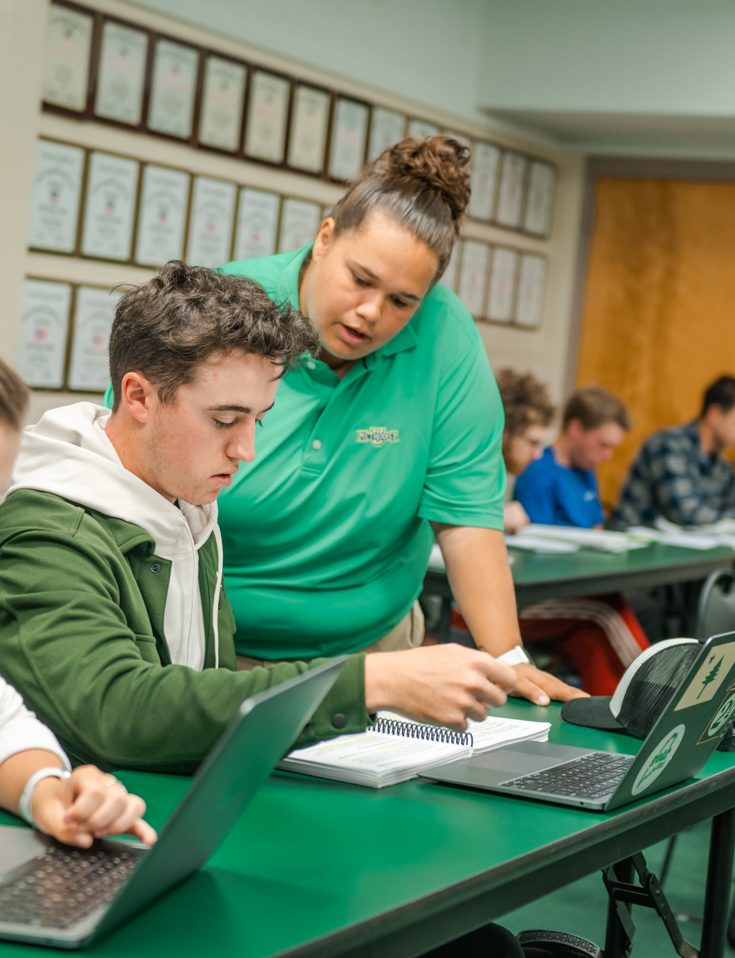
{"points": [[217, 591]]}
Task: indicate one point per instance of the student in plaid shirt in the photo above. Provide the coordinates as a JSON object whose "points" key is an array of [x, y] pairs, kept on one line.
{"points": [[680, 473]]}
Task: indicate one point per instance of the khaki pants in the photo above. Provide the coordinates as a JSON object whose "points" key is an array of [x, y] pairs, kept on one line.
{"points": [[408, 634]]}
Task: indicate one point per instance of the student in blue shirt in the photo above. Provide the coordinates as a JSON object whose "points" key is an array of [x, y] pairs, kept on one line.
{"points": [[560, 488], [598, 636]]}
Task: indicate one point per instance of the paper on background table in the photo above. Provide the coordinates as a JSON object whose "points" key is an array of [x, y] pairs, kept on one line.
{"points": [[599, 539], [687, 540], [707, 536], [541, 544]]}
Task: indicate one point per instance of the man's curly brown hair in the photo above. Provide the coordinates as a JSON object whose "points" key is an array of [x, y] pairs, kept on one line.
{"points": [[166, 328]]}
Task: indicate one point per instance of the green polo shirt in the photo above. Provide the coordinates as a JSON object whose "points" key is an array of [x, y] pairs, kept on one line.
{"points": [[326, 535]]}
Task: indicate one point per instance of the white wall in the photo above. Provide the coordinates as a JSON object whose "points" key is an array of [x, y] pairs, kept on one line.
{"points": [[549, 351], [433, 52], [641, 77], [544, 351], [22, 26], [619, 56], [426, 50]]}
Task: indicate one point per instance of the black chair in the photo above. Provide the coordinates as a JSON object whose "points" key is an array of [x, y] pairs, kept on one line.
{"points": [[716, 609]]}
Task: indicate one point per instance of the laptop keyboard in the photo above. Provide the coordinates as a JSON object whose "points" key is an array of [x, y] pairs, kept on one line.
{"points": [[63, 885], [591, 776]]}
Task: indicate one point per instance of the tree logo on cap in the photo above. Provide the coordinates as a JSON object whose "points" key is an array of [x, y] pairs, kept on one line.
{"points": [[711, 676], [658, 760]]}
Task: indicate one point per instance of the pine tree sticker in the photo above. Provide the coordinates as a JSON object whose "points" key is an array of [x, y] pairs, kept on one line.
{"points": [[710, 676]]}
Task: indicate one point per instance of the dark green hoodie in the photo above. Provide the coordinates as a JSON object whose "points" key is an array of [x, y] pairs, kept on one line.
{"points": [[82, 600]]}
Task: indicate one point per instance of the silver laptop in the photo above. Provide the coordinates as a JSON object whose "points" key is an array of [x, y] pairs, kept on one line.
{"points": [[51, 894], [676, 748]]}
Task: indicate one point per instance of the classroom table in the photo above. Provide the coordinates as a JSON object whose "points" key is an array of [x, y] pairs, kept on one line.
{"points": [[317, 868], [589, 572]]}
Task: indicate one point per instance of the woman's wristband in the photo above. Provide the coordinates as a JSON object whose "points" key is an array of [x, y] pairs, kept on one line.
{"points": [[24, 805]]}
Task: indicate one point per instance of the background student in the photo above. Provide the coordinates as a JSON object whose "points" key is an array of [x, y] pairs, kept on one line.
{"points": [[560, 487], [35, 778], [681, 473], [598, 636], [114, 624], [528, 414], [391, 434]]}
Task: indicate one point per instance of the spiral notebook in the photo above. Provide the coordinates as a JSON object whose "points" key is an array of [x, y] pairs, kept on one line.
{"points": [[395, 748]]}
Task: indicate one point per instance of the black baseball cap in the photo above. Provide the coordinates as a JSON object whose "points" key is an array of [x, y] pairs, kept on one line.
{"points": [[642, 692]]}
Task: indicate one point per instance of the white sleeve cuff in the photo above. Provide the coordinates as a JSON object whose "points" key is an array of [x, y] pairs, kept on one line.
{"points": [[21, 730], [515, 656]]}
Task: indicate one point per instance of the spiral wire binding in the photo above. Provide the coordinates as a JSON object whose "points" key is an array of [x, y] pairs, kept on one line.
{"points": [[431, 733]]}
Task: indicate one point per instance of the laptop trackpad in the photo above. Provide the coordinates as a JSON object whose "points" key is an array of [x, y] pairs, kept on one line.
{"points": [[19, 845], [492, 768], [525, 757]]}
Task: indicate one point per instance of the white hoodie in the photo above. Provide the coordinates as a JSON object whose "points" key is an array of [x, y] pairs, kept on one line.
{"points": [[68, 453], [20, 729]]}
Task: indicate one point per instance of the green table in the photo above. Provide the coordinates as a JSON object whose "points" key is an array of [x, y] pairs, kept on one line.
{"points": [[315, 868], [589, 572]]}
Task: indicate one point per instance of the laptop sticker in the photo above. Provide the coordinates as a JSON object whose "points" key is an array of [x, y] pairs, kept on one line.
{"points": [[712, 673], [658, 759], [721, 719]]}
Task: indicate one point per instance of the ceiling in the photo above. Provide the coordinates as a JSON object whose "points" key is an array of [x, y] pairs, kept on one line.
{"points": [[625, 133]]}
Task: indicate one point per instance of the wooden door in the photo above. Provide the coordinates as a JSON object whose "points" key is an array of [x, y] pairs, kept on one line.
{"points": [[658, 315]]}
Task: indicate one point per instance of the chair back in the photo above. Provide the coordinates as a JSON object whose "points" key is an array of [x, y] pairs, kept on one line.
{"points": [[716, 610]]}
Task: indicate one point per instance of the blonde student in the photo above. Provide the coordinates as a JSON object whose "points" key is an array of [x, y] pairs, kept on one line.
{"points": [[36, 780]]}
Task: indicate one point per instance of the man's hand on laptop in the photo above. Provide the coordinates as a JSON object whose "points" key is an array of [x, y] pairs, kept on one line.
{"points": [[541, 687], [441, 684], [89, 804]]}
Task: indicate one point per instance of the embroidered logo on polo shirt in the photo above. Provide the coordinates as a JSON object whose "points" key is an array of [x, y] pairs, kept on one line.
{"points": [[378, 435]]}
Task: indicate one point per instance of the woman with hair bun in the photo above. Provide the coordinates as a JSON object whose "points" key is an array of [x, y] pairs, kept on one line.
{"points": [[391, 434]]}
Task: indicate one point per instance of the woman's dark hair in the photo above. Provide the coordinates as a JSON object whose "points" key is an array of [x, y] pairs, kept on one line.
{"points": [[13, 397], [168, 327], [423, 184]]}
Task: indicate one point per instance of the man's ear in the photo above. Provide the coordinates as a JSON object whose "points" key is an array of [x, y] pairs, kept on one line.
{"points": [[574, 428], [713, 415], [137, 394], [323, 238]]}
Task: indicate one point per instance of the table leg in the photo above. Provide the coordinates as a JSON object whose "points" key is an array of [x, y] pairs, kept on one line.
{"points": [[619, 932], [717, 895]]}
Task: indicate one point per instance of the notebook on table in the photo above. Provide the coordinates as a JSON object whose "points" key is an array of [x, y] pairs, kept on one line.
{"points": [[677, 747], [51, 894], [395, 749]]}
